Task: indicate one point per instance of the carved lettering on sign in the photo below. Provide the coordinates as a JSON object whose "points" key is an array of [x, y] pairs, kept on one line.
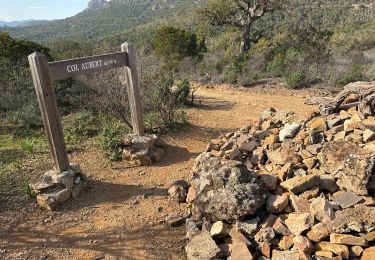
{"points": [[88, 65]]}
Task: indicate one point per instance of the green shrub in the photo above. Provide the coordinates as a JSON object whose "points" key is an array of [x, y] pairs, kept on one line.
{"points": [[168, 97], [78, 127], [295, 79], [179, 121], [170, 42], [151, 120], [277, 66], [353, 74], [82, 124], [110, 141], [27, 118], [182, 92], [231, 76]]}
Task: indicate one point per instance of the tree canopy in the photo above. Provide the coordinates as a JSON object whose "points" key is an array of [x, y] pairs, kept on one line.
{"points": [[177, 43], [14, 49]]}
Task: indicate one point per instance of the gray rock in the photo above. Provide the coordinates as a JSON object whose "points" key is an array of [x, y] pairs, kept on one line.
{"points": [[289, 131], [351, 165], [358, 219], [77, 189], [201, 247], [322, 210], [249, 146], [346, 199], [225, 191], [178, 193], [267, 114], [249, 226], [328, 182], [265, 235]]}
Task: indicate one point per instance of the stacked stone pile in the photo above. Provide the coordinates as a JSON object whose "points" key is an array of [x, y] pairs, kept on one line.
{"points": [[279, 189], [58, 187], [143, 150]]}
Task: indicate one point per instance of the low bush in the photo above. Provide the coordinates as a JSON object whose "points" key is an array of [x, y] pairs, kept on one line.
{"points": [[78, 127], [110, 141], [26, 119], [82, 124], [354, 73], [169, 96], [295, 79]]}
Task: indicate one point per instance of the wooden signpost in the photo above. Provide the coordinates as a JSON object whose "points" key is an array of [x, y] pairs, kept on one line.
{"points": [[44, 73]]}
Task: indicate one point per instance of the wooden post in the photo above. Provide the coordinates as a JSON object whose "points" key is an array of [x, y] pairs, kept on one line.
{"points": [[133, 89], [48, 108]]}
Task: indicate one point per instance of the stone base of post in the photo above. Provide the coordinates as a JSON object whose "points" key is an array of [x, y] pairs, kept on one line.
{"points": [[58, 187]]}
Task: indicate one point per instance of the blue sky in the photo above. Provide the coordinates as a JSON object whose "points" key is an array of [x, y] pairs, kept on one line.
{"points": [[11, 10]]}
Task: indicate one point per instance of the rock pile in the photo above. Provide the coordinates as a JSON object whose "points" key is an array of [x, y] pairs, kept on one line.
{"points": [[279, 189], [143, 150], [56, 187]]}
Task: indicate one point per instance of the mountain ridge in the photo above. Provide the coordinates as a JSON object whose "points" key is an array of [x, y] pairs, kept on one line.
{"points": [[17, 23], [116, 17]]}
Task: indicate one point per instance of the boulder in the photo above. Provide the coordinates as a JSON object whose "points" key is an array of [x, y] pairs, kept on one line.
{"points": [[226, 191], [283, 156], [178, 193], [299, 205], [265, 235], [318, 124], [285, 255], [286, 242], [280, 228]]}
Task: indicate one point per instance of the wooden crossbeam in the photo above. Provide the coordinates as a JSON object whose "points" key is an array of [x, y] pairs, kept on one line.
{"points": [[44, 73]]}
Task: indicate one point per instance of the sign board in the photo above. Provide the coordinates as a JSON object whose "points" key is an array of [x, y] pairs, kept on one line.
{"points": [[44, 73], [64, 69]]}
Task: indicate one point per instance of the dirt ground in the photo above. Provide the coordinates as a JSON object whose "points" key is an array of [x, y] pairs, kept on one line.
{"points": [[121, 215]]}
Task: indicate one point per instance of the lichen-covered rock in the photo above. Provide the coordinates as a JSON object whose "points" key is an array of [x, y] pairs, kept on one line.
{"points": [[226, 190], [359, 219], [351, 165]]}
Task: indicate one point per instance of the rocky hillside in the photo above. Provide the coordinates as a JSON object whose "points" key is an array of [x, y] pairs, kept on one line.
{"points": [[103, 19], [96, 4]]}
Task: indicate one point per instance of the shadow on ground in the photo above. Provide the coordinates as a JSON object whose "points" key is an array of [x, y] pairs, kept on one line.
{"points": [[114, 243], [99, 192], [210, 103]]}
